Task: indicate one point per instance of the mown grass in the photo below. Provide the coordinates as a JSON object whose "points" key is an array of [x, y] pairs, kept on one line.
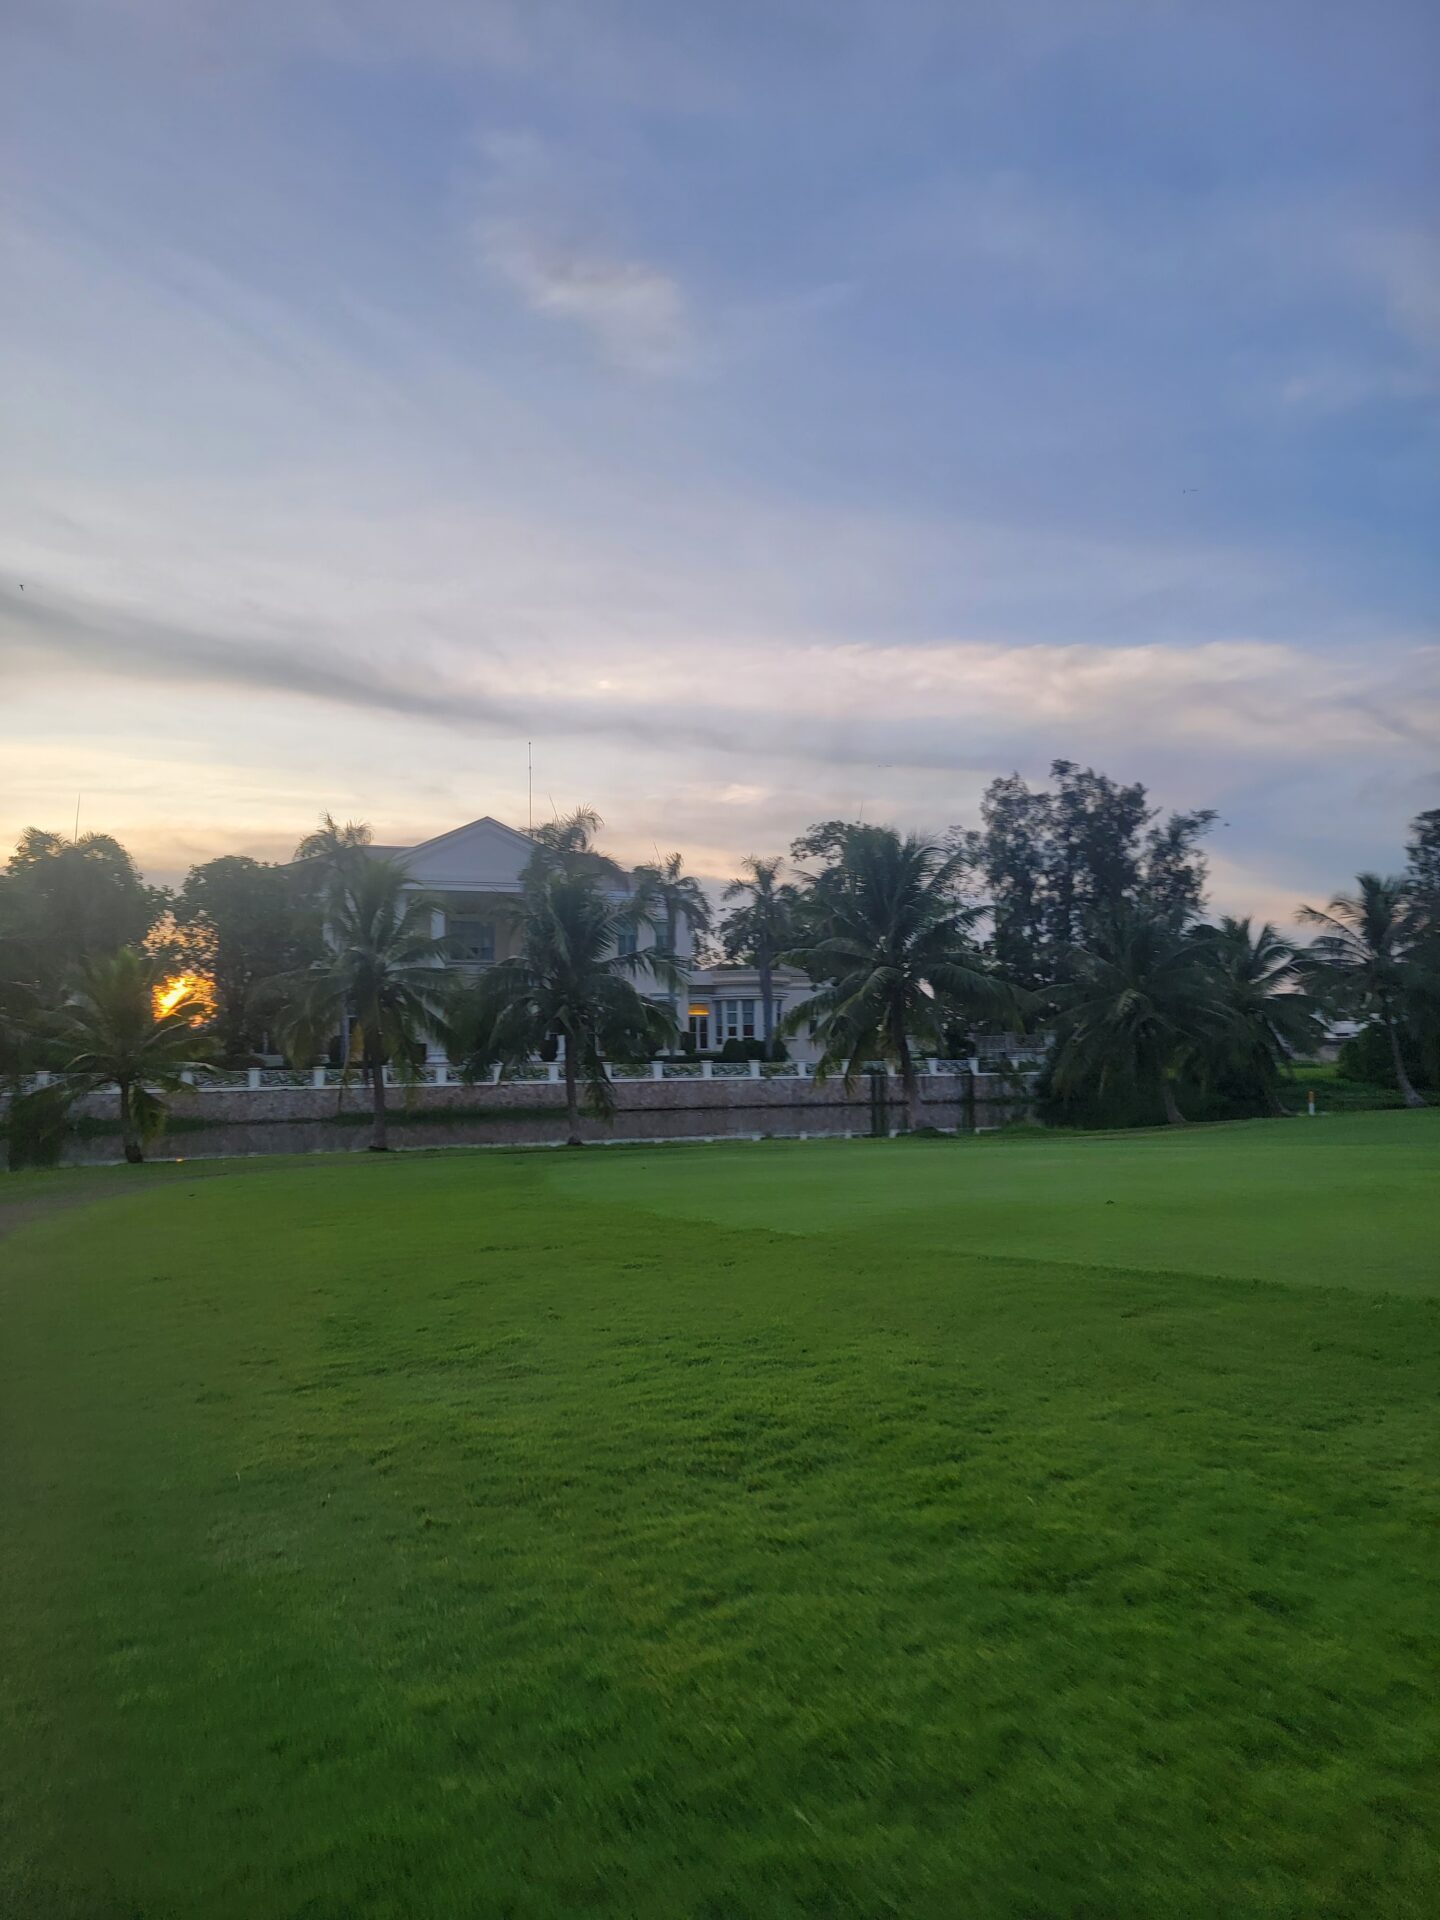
{"points": [[1016, 1527]]}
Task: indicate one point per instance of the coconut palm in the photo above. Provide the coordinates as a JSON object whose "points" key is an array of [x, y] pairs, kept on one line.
{"points": [[665, 889], [381, 970], [761, 929], [333, 849], [1141, 997], [1362, 959], [883, 932], [569, 980], [107, 1034], [1269, 1019], [568, 844]]}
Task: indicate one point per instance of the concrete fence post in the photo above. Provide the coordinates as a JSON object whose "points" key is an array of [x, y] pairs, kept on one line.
{"points": [[252, 1079], [707, 1069], [754, 1069], [657, 1069], [317, 1076], [552, 1071]]}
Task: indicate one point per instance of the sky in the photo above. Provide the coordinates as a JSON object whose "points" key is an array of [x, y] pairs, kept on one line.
{"points": [[771, 409]]}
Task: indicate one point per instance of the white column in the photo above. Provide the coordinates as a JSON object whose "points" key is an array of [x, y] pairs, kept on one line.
{"points": [[755, 1070], [657, 1069], [252, 1079], [707, 1069], [317, 1076]]}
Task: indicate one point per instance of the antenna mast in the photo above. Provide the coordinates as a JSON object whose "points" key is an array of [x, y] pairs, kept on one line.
{"points": [[529, 787]]}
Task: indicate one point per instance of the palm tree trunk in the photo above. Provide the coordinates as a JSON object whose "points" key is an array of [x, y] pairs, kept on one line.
{"points": [[767, 998], [909, 1086], [1402, 1078], [379, 1140], [1173, 1115], [672, 934], [129, 1132], [572, 1098]]}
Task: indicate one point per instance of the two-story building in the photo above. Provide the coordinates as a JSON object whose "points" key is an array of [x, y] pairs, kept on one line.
{"points": [[474, 872]]}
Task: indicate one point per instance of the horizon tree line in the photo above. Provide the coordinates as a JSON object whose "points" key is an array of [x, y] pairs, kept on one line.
{"points": [[1076, 908]]}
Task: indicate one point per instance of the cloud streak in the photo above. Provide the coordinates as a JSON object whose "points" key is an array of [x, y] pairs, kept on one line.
{"points": [[923, 707], [533, 235]]}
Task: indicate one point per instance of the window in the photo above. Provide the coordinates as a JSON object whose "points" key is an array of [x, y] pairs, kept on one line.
{"points": [[471, 939], [700, 1028], [737, 1019], [628, 940]]}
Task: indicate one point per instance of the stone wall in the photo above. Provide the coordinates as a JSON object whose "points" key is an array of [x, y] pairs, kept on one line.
{"points": [[238, 1120]]}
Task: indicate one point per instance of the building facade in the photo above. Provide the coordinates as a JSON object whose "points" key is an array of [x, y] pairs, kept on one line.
{"points": [[473, 873]]}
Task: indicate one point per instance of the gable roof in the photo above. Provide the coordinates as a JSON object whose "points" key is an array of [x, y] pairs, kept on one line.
{"points": [[485, 820]]}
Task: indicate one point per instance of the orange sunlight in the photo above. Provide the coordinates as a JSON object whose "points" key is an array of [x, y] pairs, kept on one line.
{"points": [[191, 991]]}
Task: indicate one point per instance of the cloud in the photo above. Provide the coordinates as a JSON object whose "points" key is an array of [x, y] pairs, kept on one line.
{"points": [[933, 706], [1339, 386], [533, 234]]}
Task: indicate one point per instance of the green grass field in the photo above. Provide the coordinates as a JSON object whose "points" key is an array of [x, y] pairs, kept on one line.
{"points": [[1028, 1528]]}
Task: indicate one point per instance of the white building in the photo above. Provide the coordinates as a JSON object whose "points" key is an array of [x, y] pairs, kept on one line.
{"points": [[472, 872]]}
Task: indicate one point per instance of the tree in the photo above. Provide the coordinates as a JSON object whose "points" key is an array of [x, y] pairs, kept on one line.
{"points": [[1361, 959], [1140, 997], [760, 930], [569, 979], [569, 844], [883, 932], [108, 1034], [1268, 1019], [1051, 859], [1422, 887], [667, 889], [332, 849], [70, 900], [1422, 864], [236, 920], [382, 969]]}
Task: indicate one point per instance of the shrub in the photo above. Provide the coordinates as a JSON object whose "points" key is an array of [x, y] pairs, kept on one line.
{"points": [[1367, 1057], [36, 1127]]}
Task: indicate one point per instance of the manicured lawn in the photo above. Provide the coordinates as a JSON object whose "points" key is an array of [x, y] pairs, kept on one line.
{"points": [[1026, 1528]]}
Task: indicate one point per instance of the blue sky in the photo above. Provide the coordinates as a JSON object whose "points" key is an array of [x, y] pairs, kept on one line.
{"points": [[771, 410]]}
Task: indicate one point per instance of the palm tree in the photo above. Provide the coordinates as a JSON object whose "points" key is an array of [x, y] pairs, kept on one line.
{"points": [[1361, 958], [333, 849], [667, 889], [108, 1034], [1269, 1018], [568, 844], [569, 979], [761, 929], [883, 931], [382, 969], [1140, 997]]}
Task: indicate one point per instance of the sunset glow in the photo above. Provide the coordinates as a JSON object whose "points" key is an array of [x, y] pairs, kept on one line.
{"points": [[191, 991]]}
